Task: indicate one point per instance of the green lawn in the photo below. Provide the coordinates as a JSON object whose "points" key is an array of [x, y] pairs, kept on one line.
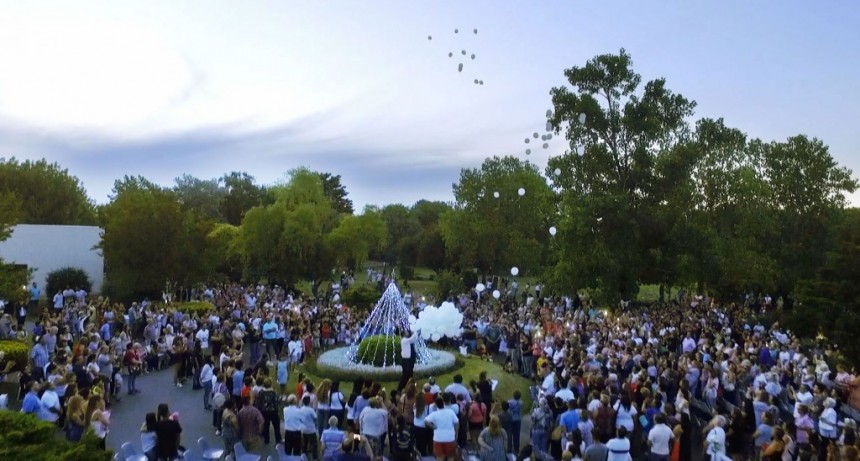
{"points": [[472, 367]]}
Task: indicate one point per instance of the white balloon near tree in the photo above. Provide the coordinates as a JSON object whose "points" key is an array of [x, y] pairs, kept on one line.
{"points": [[521, 191], [515, 271], [480, 287], [582, 118], [496, 194], [497, 294], [552, 231], [557, 171]]}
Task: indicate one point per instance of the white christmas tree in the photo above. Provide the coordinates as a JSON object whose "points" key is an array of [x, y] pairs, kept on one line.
{"points": [[389, 318]]}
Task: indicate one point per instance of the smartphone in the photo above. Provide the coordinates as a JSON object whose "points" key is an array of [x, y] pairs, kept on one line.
{"points": [[356, 438]]}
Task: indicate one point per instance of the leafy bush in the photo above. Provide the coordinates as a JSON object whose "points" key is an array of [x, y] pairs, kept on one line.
{"points": [[379, 350], [16, 351], [199, 308], [73, 277], [25, 437], [448, 284], [361, 297], [407, 273], [470, 279]]}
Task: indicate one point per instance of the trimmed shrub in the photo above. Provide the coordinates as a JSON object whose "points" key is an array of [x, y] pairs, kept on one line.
{"points": [[191, 308], [407, 273], [361, 297], [16, 351], [73, 277], [25, 437], [378, 350]]}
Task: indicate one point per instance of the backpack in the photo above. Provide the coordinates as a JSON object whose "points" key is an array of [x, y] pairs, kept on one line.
{"points": [[403, 443], [268, 400]]}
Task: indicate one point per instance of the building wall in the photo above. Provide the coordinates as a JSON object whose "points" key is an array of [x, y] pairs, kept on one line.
{"points": [[47, 248]]}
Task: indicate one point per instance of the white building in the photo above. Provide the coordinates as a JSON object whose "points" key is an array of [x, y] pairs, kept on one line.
{"points": [[46, 248]]}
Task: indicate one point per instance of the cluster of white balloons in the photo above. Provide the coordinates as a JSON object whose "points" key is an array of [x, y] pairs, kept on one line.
{"points": [[461, 66], [436, 323]]}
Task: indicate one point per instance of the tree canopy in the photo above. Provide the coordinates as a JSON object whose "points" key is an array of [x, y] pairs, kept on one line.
{"points": [[47, 193]]}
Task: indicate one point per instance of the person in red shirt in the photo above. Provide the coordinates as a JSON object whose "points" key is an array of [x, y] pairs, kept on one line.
{"points": [[300, 386], [131, 359]]}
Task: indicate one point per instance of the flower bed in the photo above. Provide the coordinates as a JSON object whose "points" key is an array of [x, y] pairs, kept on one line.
{"points": [[336, 364]]}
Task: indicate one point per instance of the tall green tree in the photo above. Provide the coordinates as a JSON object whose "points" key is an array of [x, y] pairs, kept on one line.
{"points": [[336, 193], [149, 240], [493, 234], [242, 194], [202, 196], [48, 193], [401, 226], [11, 279], [609, 195], [300, 236]]}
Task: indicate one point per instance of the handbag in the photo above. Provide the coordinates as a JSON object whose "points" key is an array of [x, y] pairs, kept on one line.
{"points": [[558, 432]]}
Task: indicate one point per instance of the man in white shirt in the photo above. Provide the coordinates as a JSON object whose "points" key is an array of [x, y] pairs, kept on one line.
{"points": [[565, 394], [203, 336], [457, 388], [58, 300], [444, 424], [660, 439], [50, 411], [619, 447], [407, 353], [293, 417]]}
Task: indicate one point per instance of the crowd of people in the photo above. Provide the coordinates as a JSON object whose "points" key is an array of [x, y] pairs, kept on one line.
{"points": [[660, 381]]}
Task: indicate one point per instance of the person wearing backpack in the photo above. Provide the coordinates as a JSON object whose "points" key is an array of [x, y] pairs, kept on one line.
{"points": [[403, 446], [476, 414], [267, 403]]}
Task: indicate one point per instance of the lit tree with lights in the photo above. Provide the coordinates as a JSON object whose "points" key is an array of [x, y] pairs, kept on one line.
{"points": [[389, 318]]}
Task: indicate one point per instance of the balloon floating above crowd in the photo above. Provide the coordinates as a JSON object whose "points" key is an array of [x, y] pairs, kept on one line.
{"points": [[582, 118], [521, 191], [480, 287], [497, 294], [552, 231], [496, 194], [515, 271]]}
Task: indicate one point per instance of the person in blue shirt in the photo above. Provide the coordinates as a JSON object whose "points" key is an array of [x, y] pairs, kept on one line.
{"points": [[35, 293], [570, 418], [32, 405], [270, 336]]}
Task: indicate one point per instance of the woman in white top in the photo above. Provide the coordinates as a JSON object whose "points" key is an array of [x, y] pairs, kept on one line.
{"points": [[336, 403], [100, 423], [625, 412], [147, 436]]}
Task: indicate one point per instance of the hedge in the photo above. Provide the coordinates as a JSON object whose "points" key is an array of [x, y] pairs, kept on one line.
{"points": [[190, 308], [16, 351], [378, 350], [362, 297], [73, 277], [26, 438]]}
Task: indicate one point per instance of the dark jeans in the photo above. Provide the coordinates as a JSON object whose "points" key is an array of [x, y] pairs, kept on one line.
{"points": [[293, 443], [132, 377], [424, 440], [514, 437], [271, 417], [216, 418], [207, 391], [310, 446], [408, 370], [653, 457]]}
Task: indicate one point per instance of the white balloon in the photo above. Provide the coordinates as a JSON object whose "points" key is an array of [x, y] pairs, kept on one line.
{"points": [[543, 137], [579, 151], [535, 135], [429, 37], [476, 81], [476, 31], [549, 136], [528, 151], [552, 230], [548, 126], [521, 191], [582, 118], [497, 294], [473, 56], [451, 55], [527, 140], [557, 171], [496, 194], [464, 52], [481, 82], [545, 145], [460, 67], [456, 31], [435, 337], [549, 112], [480, 287], [515, 271], [412, 319]]}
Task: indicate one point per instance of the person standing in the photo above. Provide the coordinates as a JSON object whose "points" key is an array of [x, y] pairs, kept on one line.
{"points": [[660, 439], [35, 294], [206, 380], [250, 424], [407, 353]]}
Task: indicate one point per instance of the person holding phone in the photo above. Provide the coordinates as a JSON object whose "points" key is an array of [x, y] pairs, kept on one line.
{"points": [[407, 354]]}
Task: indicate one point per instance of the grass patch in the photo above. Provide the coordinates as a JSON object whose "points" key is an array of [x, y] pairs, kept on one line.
{"points": [[470, 369]]}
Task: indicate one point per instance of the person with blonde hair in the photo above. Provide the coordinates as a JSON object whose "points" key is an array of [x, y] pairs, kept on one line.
{"points": [[100, 422], [76, 419], [493, 441]]}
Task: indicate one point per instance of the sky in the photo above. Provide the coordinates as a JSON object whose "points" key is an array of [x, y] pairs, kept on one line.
{"points": [[160, 88]]}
